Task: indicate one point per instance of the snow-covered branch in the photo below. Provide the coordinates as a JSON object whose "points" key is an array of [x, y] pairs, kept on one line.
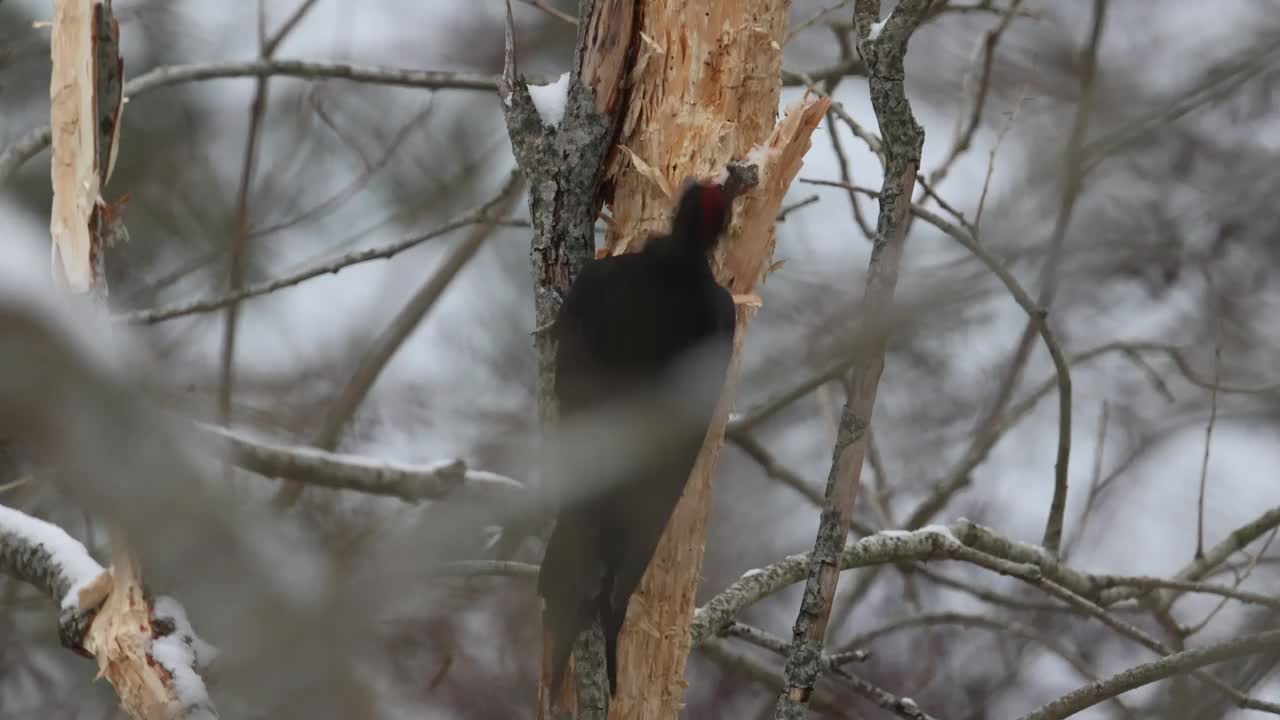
{"points": [[45, 556], [149, 653]]}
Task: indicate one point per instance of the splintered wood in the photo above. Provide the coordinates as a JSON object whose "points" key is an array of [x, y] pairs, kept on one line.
{"points": [[119, 638], [86, 99], [707, 82]]}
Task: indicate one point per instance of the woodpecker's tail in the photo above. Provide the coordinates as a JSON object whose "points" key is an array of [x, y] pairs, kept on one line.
{"points": [[567, 584]]}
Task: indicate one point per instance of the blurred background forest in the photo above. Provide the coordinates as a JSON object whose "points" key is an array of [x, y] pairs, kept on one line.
{"points": [[1167, 288]]}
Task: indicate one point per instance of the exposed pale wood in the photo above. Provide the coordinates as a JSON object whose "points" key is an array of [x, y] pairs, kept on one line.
{"points": [[86, 100], [74, 170], [118, 639], [707, 81]]}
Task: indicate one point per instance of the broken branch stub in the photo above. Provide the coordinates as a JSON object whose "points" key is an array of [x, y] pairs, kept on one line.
{"points": [[86, 102]]}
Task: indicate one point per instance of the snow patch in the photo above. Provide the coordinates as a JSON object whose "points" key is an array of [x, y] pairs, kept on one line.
{"points": [[939, 530], [878, 27], [550, 100], [180, 653]]}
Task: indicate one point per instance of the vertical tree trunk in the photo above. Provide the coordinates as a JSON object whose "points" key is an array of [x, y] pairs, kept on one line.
{"points": [[694, 85], [707, 83]]}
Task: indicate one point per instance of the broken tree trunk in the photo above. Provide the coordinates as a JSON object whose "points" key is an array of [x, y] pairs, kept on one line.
{"points": [[707, 82], [86, 99]]}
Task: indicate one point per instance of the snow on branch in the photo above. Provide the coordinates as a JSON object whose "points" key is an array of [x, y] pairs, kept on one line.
{"points": [[149, 654], [44, 555]]}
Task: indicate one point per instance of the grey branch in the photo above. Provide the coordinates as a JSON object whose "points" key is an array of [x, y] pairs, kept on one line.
{"points": [[1156, 670], [903, 141], [933, 543], [384, 347], [334, 266], [411, 483], [27, 146], [1238, 540], [902, 707]]}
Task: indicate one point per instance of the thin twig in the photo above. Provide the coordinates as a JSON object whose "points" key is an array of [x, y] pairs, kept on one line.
{"points": [[991, 158], [786, 210], [1037, 321], [240, 241], [849, 67], [998, 626], [35, 140], [963, 139], [1237, 540], [1049, 272], [814, 20], [1165, 667], [902, 707], [383, 252], [1208, 441], [1142, 638], [270, 44], [402, 325], [1239, 580], [557, 14], [1095, 480]]}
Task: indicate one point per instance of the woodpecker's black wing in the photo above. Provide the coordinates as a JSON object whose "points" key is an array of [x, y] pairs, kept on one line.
{"points": [[649, 338], [639, 511]]}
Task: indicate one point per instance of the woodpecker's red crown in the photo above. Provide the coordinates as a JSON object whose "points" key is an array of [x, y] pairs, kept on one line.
{"points": [[702, 214]]}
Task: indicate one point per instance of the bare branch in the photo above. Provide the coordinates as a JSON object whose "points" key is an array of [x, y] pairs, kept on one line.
{"points": [[1196, 570], [240, 241], [934, 543], [192, 307], [1208, 443], [1049, 273], [411, 315], [35, 140], [557, 14], [903, 140], [902, 707], [963, 139], [411, 483], [1147, 673]]}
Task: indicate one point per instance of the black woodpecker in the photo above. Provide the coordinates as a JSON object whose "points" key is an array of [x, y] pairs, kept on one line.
{"points": [[648, 336]]}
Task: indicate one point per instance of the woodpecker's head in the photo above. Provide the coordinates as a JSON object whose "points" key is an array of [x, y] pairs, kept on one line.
{"points": [[702, 215]]}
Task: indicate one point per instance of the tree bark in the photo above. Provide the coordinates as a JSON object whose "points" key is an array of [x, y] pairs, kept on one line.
{"points": [[707, 83]]}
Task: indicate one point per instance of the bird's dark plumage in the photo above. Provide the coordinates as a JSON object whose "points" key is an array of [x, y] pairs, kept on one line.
{"points": [[647, 336]]}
